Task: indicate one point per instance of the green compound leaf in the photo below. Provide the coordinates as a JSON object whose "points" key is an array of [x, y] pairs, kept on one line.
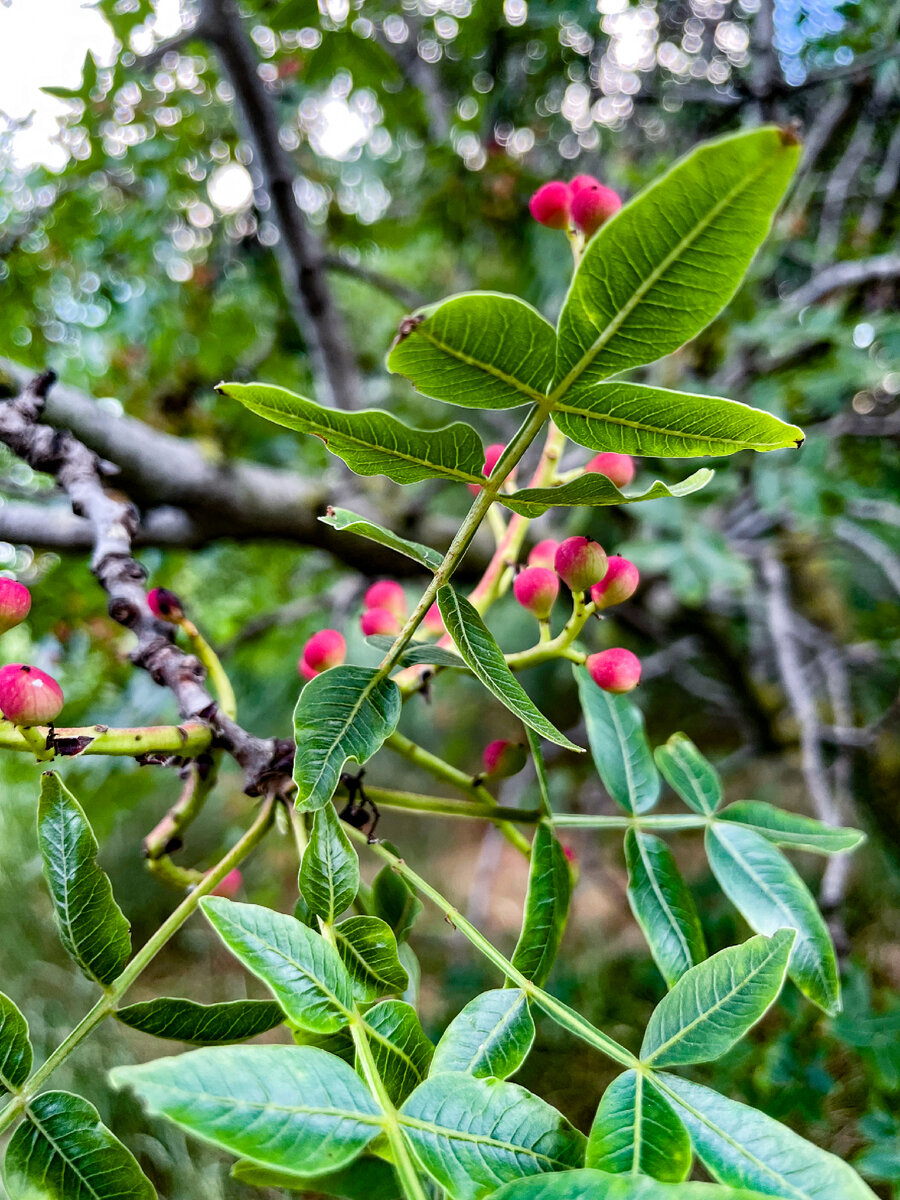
{"points": [[90, 923], [767, 891], [663, 906], [472, 1135], [741, 1146], [15, 1047], [636, 1132], [489, 1038], [596, 490], [63, 1151], [615, 729], [479, 350], [790, 828], [344, 520], [343, 713], [329, 871], [669, 261], [368, 950], [714, 1004], [364, 1179], [203, 1024], [485, 659], [590, 1184], [371, 442], [401, 1050], [301, 970], [546, 907], [419, 654], [291, 1108], [689, 774], [394, 901], [651, 422]]}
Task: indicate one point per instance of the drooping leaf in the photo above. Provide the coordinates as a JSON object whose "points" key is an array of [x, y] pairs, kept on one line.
{"points": [[472, 1135], [741, 1146], [329, 872], [489, 1038], [303, 972], [689, 774], [632, 418], [670, 260], [595, 491], [484, 657], [345, 520], [419, 654], [395, 902], [15, 1046], [365, 1179], [400, 1047], [635, 1132], [368, 949], [714, 1004], [479, 350], [663, 906], [202, 1024], [292, 1108], [343, 713], [371, 442], [615, 729], [770, 895], [91, 924], [546, 907], [790, 828], [590, 1184], [63, 1151]]}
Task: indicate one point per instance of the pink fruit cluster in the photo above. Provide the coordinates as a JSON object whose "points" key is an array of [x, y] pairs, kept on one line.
{"points": [[324, 649], [585, 203], [28, 696], [384, 608]]}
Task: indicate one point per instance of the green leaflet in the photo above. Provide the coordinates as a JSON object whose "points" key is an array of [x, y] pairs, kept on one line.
{"points": [[790, 828], [636, 1132], [371, 442], [15, 1047], [770, 895], [91, 924], [350, 522], [663, 906], [365, 1179], [546, 907], [490, 1037], [291, 1108], [714, 1004], [615, 728], [485, 659], [63, 1151], [203, 1024], [479, 350], [689, 774], [302, 971], [596, 490], [651, 422], [329, 872], [741, 1146], [368, 950], [343, 713], [665, 265], [471, 1135], [401, 1050], [598, 1185]]}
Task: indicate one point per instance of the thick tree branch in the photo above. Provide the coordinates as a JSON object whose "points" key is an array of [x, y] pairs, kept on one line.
{"points": [[841, 275]]}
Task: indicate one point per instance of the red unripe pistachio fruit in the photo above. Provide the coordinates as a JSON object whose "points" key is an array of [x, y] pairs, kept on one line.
{"points": [[592, 206], [15, 601], [305, 670], [580, 563], [583, 181], [324, 650], [618, 468], [491, 458], [551, 205], [620, 581], [536, 588], [615, 670], [502, 759], [378, 620], [387, 594], [29, 696], [165, 605], [229, 886], [544, 553]]}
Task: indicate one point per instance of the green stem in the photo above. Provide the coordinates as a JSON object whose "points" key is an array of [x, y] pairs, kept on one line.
{"points": [[189, 739], [660, 821], [443, 807], [217, 674]]}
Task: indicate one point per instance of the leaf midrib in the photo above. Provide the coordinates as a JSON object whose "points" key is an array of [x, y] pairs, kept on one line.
{"points": [[592, 415], [444, 1133], [488, 368]]}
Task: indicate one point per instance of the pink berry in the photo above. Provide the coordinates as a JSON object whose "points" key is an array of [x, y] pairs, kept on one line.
{"points": [[615, 670], [618, 468], [592, 206], [491, 458], [229, 886], [28, 696], [433, 622], [305, 670], [387, 594], [15, 601], [619, 582], [580, 563], [165, 605], [378, 620], [536, 589], [544, 554], [551, 205], [583, 181], [324, 650], [502, 759]]}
